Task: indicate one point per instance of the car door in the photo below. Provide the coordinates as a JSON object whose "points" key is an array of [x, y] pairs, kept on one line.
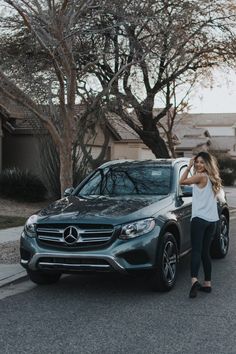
{"points": [[184, 211]]}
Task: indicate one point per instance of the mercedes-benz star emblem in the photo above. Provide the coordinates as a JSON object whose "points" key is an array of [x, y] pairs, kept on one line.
{"points": [[71, 235]]}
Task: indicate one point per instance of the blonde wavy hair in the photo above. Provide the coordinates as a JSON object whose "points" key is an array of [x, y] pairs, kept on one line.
{"points": [[212, 170]]}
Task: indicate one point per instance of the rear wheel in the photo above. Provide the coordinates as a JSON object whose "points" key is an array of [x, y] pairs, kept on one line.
{"points": [[41, 278], [220, 243], [164, 276]]}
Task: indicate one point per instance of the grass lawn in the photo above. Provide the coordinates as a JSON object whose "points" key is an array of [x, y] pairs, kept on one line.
{"points": [[11, 221]]}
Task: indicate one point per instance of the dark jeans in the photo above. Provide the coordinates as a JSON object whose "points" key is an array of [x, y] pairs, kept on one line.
{"points": [[202, 233]]}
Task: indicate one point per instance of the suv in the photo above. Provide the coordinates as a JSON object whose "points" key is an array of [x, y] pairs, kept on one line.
{"points": [[125, 216]]}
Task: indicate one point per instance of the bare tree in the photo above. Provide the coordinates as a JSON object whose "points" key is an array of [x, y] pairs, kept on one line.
{"points": [[49, 62], [132, 50], [176, 95], [160, 41], [52, 25]]}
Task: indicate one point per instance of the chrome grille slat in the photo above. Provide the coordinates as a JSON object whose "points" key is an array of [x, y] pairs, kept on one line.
{"points": [[95, 231], [58, 231], [97, 239], [72, 265], [49, 238], [60, 239]]}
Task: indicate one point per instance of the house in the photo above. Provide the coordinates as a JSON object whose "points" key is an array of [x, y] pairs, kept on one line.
{"points": [[128, 145], [220, 129], [215, 132], [20, 135]]}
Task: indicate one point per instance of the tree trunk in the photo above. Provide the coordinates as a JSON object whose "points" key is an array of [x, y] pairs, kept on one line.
{"points": [[170, 144], [155, 143], [66, 173]]}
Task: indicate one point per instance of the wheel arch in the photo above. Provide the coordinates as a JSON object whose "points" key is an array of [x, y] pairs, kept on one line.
{"points": [[220, 241], [173, 228], [225, 212]]}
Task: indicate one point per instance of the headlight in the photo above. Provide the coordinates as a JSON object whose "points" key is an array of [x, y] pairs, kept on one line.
{"points": [[137, 228], [30, 226]]}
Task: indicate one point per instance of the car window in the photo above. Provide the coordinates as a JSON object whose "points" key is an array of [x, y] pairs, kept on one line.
{"points": [[129, 180], [183, 169], [92, 187], [187, 188]]}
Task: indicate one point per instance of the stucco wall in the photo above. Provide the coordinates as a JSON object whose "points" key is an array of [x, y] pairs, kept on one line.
{"points": [[130, 150]]}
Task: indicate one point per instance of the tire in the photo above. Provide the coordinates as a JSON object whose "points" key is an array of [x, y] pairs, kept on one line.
{"points": [[220, 243], [163, 278], [42, 278]]}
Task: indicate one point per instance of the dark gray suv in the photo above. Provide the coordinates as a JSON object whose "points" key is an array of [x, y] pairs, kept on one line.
{"points": [[125, 216]]}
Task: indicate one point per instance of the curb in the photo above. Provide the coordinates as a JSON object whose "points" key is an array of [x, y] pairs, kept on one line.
{"points": [[14, 279]]}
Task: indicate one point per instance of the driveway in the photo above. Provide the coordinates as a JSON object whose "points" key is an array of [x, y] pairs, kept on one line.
{"points": [[231, 196], [111, 314]]}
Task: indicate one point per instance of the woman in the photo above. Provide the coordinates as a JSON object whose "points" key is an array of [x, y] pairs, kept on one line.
{"points": [[206, 184]]}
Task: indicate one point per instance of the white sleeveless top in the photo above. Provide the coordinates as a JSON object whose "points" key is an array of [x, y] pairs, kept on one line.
{"points": [[204, 203]]}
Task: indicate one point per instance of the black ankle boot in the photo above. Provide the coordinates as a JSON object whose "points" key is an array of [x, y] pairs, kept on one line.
{"points": [[205, 289], [193, 291]]}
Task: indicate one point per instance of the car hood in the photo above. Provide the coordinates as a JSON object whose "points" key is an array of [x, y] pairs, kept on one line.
{"points": [[102, 209]]}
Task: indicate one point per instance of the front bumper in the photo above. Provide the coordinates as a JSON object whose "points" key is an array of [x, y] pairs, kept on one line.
{"points": [[71, 262], [120, 256]]}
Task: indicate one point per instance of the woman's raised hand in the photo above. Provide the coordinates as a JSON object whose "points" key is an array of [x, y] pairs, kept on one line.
{"points": [[191, 163]]}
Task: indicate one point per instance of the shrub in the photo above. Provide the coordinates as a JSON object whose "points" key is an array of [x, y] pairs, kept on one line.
{"points": [[21, 185], [227, 171]]}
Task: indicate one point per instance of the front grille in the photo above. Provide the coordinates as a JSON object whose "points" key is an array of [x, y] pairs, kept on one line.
{"points": [[89, 235]]}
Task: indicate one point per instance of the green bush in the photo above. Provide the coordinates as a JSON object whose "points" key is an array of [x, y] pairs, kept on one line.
{"points": [[21, 185], [227, 171]]}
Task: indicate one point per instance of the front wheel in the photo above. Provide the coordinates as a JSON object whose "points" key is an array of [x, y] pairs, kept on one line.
{"points": [[164, 276], [220, 243], [42, 278]]}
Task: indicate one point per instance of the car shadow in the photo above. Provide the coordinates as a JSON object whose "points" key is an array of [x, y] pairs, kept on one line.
{"points": [[105, 283]]}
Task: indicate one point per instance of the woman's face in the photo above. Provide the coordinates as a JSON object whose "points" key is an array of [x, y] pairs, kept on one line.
{"points": [[200, 164]]}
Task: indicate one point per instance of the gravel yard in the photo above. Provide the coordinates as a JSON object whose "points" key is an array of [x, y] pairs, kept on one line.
{"points": [[13, 208], [10, 252]]}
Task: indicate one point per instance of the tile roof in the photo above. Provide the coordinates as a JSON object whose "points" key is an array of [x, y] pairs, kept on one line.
{"points": [[17, 117], [223, 143], [190, 143], [210, 119], [123, 129]]}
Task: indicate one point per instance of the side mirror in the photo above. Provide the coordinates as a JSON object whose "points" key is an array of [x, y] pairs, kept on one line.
{"points": [[68, 191], [186, 191]]}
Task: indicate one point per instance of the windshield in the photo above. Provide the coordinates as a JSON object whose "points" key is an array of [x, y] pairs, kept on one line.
{"points": [[129, 180]]}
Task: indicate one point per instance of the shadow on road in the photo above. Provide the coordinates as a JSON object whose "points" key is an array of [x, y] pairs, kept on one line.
{"points": [[104, 283]]}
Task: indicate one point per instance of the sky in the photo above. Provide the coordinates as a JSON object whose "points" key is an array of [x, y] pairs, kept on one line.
{"points": [[220, 98]]}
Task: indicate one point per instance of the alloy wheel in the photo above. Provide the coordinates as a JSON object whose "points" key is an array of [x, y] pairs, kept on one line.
{"points": [[169, 262], [224, 236]]}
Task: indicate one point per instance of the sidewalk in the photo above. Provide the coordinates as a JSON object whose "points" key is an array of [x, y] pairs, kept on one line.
{"points": [[10, 273], [12, 234]]}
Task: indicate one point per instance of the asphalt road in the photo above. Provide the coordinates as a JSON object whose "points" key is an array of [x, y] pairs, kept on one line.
{"points": [[112, 314]]}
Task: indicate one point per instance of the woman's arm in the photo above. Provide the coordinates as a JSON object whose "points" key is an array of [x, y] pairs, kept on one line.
{"points": [[196, 179]]}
